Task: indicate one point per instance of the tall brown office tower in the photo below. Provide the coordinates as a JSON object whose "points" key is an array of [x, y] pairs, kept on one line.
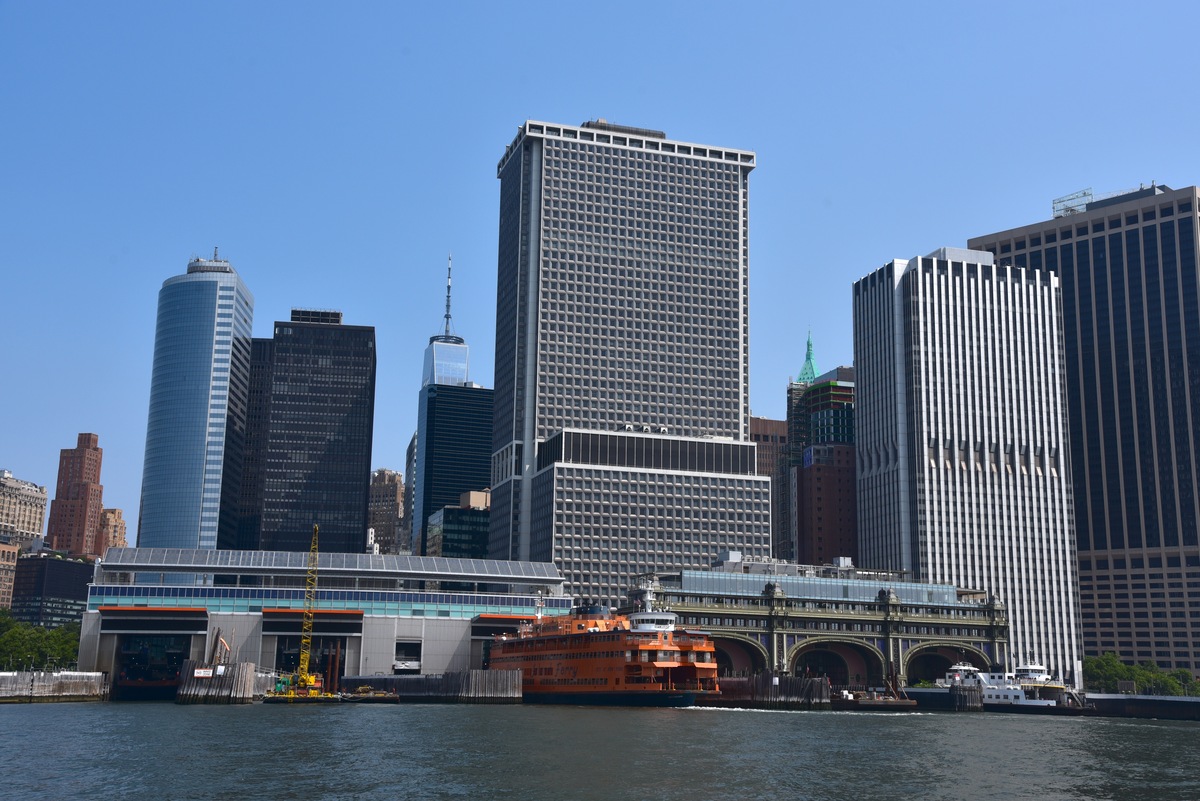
{"points": [[75, 511], [771, 438]]}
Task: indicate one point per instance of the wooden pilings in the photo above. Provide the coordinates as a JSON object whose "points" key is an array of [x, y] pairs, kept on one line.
{"points": [[765, 691], [462, 687], [966, 699], [201, 683]]}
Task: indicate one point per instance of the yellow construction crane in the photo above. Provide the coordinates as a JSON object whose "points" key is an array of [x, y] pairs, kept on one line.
{"points": [[308, 684]]}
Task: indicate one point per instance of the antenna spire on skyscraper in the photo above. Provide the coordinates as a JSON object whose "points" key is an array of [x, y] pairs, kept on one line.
{"points": [[449, 265]]}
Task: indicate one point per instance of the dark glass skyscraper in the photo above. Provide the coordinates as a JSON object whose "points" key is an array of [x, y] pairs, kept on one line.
{"points": [[454, 431], [311, 454], [1131, 319]]}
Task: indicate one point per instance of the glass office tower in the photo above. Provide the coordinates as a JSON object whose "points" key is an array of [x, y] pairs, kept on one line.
{"points": [[196, 426], [314, 458], [1128, 264], [621, 437]]}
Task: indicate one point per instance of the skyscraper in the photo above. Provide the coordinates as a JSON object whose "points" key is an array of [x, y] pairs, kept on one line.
{"points": [[1131, 318], [197, 420], [454, 430], [960, 423], [385, 508], [622, 411], [822, 478], [771, 444], [311, 443], [78, 500]]}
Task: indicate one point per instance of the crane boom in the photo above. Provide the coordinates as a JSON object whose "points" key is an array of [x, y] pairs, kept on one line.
{"points": [[310, 600]]}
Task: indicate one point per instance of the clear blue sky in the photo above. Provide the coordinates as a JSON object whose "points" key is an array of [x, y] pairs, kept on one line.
{"points": [[337, 152]]}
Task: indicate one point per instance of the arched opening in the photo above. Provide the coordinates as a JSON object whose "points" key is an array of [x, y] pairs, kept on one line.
{"points": [[823, 663], [845, 664], [736, 658], [927, 667], [931, 664]]}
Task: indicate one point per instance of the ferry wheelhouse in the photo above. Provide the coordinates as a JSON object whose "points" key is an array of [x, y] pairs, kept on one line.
{"points": [[592, 656]]}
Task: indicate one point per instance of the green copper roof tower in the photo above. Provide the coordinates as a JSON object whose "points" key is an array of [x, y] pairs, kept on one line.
{"points": [[808, 373]]}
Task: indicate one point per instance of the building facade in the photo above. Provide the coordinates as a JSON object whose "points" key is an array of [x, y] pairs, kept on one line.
{"points": [[196, 425], [22, 510], [368, 617], [75, 512], [385, 508], [858, 628], [460, 532], [8, 572], [622, 320], [311, 445], [49, 591], [113, 529], [770, 438], [1131, 319], [822, 477], [961, 438]]}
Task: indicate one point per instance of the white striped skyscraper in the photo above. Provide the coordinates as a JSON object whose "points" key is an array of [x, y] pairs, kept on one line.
{"points": [[963, 465]]}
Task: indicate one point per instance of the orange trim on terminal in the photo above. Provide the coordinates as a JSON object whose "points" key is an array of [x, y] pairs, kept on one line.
{"points": [[151, 609]]}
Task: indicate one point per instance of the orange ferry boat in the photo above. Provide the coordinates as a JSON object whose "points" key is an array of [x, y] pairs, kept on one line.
{"points": [[594, 657]]}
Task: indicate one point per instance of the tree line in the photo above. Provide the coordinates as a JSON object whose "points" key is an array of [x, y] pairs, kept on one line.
{"points": [[24, 646], [1101, 674]]}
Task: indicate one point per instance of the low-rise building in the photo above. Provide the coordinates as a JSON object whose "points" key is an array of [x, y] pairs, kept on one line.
{"points": [[856, 627], [368, 618], [49, 590]]}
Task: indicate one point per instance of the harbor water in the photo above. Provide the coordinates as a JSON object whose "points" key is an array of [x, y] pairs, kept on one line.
{"points": [[537, 753]]}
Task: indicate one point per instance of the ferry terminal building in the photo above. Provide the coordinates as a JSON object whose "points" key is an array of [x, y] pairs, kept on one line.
{"points": [[149, 609]]}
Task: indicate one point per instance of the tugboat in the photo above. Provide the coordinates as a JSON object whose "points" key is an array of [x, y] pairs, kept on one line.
{"points": [[593, 656]]}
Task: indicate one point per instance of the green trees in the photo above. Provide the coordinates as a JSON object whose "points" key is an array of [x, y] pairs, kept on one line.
{"points": [[1101, 674], [22, 645]]}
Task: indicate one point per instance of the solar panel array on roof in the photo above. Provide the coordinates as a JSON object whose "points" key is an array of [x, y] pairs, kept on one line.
{"points": [[168, 560]]}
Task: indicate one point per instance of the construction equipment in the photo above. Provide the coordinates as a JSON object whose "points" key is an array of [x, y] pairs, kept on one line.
{"points": [[307, 683], [304, 686]]}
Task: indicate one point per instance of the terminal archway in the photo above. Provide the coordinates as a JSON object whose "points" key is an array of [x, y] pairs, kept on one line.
{"points": [[737, 657], [843, 663], [931, 663]]}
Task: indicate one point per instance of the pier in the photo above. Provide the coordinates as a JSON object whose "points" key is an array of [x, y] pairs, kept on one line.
{"points": [[765, 691], [202, 683], [460, 687], [35, 686]]}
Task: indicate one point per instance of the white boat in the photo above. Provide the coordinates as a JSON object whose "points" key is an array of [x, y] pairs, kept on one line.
{"points": [[1030, 688]]}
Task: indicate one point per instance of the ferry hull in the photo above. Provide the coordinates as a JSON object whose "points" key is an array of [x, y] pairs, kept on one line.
{"points": [[645, 699], [1040, 709]]}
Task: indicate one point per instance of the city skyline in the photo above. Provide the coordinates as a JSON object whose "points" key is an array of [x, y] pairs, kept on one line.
{"points": [[302, 171]]}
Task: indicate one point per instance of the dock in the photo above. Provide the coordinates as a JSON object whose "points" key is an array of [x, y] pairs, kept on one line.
{"points": [[41, 686], [460, 687], [765, 691], [203, 683]]}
